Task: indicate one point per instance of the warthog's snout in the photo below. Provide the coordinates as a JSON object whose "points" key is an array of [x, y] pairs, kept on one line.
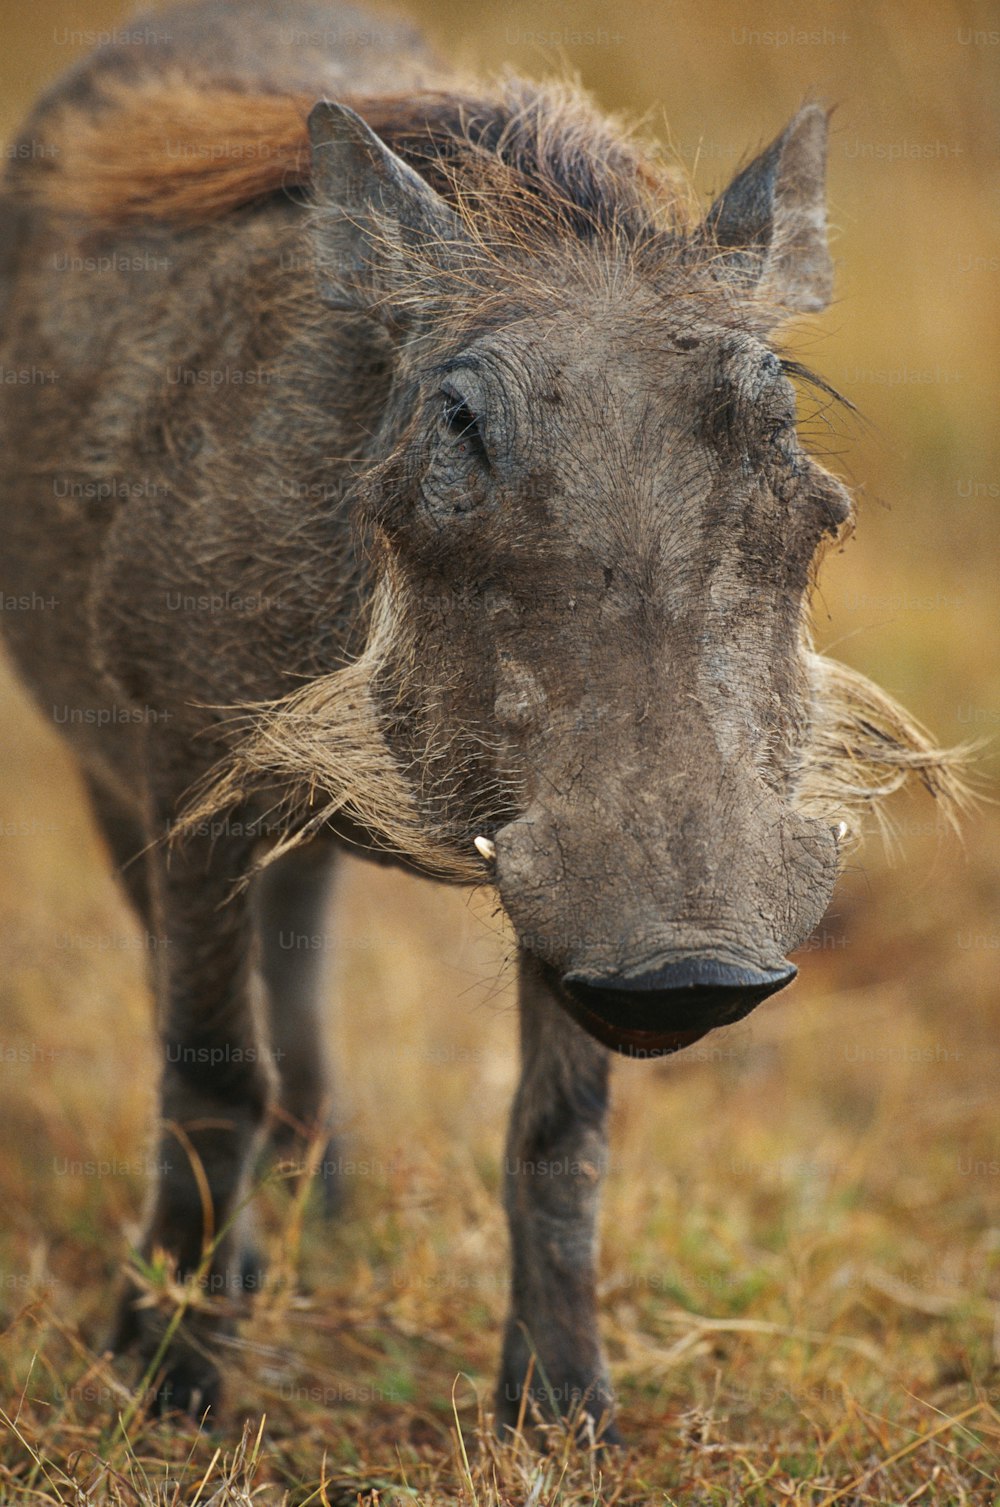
{"points": [[653, 932], [668, 1007]]}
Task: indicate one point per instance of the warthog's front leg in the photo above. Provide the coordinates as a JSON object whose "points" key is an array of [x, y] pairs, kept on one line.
{"points": [[216, 1089], [556, 1154], [293, 897]]}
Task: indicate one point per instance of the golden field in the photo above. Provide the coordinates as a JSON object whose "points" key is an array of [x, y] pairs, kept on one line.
{"points": [[800, 1275]]}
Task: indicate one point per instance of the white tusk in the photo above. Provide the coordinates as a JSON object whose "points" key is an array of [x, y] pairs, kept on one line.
{"points": [[840, 831], [485, 848]]}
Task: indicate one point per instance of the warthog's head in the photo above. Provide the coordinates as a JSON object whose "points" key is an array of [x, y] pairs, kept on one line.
{"points": [[594, 530]]}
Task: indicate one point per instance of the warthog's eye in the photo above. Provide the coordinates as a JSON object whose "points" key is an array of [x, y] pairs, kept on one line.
{"points": [[463, 425], [459, 476]]}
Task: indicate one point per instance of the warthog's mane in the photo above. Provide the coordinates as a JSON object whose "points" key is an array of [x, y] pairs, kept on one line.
{"points": [[525, 166], [170, 151]]}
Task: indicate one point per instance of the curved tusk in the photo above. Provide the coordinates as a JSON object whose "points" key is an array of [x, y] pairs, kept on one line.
{"points": [[840, 831], [485, 848]]}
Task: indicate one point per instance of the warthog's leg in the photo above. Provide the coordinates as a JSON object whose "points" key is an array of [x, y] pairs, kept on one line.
{"points": [[215, 1095], [293, 897], [556, 1153]]}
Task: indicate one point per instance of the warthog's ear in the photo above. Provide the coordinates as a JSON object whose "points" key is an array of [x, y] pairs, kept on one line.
{"points": [[380, 226], [772, 217]]}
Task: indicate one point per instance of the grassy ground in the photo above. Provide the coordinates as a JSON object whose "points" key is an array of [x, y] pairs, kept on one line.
{"points": [[800, 1279]]}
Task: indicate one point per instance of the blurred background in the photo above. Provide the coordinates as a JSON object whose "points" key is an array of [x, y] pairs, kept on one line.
{"points": [[847, 1134]]}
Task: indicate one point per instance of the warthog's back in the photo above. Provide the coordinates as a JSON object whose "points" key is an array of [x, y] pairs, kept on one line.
{"points": [[299, 44]]}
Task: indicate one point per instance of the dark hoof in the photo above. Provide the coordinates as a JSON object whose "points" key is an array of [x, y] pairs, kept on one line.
{"points": [[186, 1378], [124, 1329], [190, 1385], [589, 1418], [587, 1429]]}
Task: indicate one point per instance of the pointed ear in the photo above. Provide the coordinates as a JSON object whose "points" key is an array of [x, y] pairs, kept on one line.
{"points": [[773, 217], [378, 222]]}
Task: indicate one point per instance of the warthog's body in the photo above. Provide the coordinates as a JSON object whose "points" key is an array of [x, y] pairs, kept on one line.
{"points": [[461, 445]]}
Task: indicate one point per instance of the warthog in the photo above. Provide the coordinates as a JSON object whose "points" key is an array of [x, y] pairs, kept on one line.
{"points": [[411, 466]]}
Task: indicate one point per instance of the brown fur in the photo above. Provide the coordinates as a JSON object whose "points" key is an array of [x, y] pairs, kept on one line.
{"points": [[175, 153], [182, 153]]}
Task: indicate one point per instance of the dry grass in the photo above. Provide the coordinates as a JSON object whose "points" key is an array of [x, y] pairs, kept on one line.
{"points": [[800, 1274], [801, 1250]]}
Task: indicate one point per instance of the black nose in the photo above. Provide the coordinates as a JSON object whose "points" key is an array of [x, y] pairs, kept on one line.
{"points": [[692, 994]]}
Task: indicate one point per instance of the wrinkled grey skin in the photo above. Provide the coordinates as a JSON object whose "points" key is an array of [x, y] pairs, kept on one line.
{"points": [[603, 531]]}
